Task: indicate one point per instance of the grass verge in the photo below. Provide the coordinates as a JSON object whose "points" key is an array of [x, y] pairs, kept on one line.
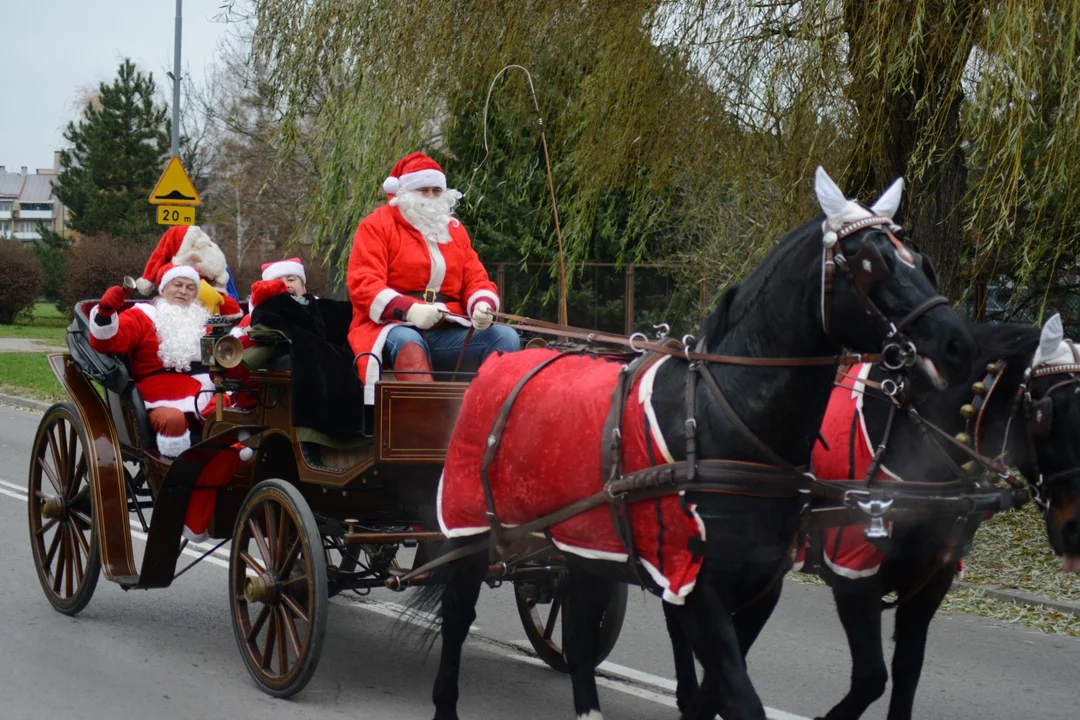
{"points": [[28, 375]]}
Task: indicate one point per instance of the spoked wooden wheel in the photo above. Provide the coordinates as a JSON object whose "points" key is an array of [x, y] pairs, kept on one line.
{"points": [[277, 584], [62, 532], [540, 607]]}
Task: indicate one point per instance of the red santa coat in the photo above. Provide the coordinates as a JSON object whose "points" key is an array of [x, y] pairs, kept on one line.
{"points": [[132, 333], [389, 258]]}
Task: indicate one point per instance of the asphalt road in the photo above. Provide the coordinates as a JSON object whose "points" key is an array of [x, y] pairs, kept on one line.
{"points": [[171, 654]]}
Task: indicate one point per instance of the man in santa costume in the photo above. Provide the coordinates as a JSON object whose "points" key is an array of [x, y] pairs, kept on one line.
{"points": [[416, 283], [161, 340]]}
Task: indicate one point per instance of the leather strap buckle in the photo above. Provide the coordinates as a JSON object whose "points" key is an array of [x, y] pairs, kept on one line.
{"points": [[430, 296]]}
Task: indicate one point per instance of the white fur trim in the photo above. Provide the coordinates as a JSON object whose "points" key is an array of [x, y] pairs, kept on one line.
{"points": [[858, 392], [183, 404], [438, 265], [378, 305], [481, 295], [194, 537], [850, 574], [414, 181], [282, 268], [456, 532], [178, 271], [889, 201], [144, 286], [147, 309], [645, 389], [103, 332], [172, 446], [371, 375], [591, 554]]}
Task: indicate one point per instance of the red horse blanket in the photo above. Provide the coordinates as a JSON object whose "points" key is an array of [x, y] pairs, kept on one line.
{"points": [[550, 457], [847, 552]]}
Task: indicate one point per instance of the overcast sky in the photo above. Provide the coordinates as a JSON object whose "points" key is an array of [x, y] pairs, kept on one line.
{"points": [[52, 50]]}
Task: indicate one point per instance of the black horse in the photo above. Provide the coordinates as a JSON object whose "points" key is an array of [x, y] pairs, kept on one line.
{"points": [[920, 558], [782, 309]]}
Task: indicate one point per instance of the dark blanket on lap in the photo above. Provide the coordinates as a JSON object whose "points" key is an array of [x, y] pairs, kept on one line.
{"points": [[326, 394]]}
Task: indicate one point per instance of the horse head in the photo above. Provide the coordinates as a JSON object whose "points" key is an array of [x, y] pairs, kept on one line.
{"points": [[1048, 409], [879, 294]]}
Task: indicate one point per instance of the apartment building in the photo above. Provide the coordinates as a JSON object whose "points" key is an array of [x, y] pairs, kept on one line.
{"points": [[27, 201]]}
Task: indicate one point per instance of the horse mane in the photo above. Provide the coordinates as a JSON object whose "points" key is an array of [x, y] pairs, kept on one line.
{"points": [[723, 318], [1013, 343]]}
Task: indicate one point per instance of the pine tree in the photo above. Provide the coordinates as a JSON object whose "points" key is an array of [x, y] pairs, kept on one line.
{"points": [[119, 148]]}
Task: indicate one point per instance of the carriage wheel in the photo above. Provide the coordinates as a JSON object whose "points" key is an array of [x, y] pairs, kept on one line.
{"points": [[277, 584], [62, 532], [542, 619]]}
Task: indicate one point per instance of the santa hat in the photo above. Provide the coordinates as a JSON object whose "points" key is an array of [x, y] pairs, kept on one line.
{"points": [[281, 268], [262, 290], [167, 249], [412, 172], [170, 272]]}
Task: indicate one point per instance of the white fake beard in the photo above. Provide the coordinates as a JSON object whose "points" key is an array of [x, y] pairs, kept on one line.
{"points": [[179, 330], [430, 216]]}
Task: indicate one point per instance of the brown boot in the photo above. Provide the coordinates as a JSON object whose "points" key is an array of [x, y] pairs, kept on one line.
{"points": [[412, 358]]}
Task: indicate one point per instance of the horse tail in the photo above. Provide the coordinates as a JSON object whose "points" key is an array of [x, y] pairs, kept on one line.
{"points": [[422, 614]]}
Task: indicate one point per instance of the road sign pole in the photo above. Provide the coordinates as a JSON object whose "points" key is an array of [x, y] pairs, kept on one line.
{"points": [[176, 82]]}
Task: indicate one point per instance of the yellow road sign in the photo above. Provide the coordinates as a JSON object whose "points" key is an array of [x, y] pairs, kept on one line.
{"points": [[175, 215], [174, 187]]}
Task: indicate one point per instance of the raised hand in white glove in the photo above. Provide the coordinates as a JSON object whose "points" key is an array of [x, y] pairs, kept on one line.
{"points": [[481, 316], [423, 316]]}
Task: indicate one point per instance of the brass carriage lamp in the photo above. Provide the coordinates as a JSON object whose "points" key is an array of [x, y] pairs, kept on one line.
{"points": [[220, 352]]}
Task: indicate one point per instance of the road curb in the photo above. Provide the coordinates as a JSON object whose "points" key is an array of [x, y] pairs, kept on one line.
{"points": [[1022, 597], [28, 403]]}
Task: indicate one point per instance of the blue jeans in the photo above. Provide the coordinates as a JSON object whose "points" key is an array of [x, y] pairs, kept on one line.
{"points": [[443, 345]]}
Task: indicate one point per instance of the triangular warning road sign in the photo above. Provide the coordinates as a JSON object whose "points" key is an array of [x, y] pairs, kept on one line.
{"points": [[174, 187]]}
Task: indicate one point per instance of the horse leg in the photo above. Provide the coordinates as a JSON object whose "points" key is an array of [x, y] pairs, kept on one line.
{"points": [[859, 604], [586, 597], [459, 596], [913, 618], [686, 680], [750, 620], [708, 622]]}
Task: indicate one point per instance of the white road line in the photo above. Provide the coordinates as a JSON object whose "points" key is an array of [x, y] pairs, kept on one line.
{"points": [[395, 611]]}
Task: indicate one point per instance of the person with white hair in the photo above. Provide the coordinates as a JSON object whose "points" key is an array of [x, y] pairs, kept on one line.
{"points": [[416, 283]]}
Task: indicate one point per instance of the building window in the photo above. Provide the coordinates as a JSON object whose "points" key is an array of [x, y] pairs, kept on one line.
{"points": [[5, 205]]}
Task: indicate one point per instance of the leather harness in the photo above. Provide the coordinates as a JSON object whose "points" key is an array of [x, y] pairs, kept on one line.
{"points": [[779, 480]]}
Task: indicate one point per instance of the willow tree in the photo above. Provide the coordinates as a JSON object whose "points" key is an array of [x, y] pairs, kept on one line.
{"points": [[705, 116]]}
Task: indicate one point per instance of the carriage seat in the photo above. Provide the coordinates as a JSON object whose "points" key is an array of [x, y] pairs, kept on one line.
{"points": [[111, 372]]}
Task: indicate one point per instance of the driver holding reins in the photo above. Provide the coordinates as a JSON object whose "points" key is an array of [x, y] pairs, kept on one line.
{"points": [[416, 283]]}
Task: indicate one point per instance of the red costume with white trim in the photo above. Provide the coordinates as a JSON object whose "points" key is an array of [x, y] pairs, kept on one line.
{"points": [[847, 552], [530, 478], [391, 258]]}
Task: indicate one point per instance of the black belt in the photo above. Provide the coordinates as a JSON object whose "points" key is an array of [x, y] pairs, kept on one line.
{"points": [[196, 369], [431, 296]]}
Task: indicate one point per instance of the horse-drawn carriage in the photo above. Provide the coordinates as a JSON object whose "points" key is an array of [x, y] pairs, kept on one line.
{"points": [[308, 517], [723, 450]]}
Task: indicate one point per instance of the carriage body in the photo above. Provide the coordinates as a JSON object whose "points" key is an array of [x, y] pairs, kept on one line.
{"points": [[308, 516]]}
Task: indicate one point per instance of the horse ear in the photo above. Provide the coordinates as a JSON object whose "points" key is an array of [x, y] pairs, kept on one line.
{"points": [[889, 201], [830, 197], [1052, 335]]}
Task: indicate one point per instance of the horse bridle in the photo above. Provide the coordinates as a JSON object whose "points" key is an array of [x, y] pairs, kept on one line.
{"points": [[863, 271], [1036, 413]]}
